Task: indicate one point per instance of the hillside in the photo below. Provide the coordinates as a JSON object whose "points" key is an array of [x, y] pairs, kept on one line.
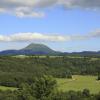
{"points": [[39, 49], [31, 49]]}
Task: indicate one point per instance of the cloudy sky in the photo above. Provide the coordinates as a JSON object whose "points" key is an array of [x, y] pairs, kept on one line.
{"points": [[64, 25]]}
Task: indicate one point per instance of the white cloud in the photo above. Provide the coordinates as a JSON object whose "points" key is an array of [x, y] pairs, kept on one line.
{"points": [[91, 35], [34, 8], [4, 38], [95, 34], [45, 37], [22, 14], [33, 37]]}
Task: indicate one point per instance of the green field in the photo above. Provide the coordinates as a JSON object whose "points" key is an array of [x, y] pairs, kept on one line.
{"points": [[78, 83], [4, 88]]}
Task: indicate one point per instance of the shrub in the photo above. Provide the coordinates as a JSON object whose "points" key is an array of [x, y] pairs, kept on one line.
{"points": [[98, 77]]}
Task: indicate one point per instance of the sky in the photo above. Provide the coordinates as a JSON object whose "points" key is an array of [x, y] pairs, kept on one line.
{"points": [[63, 25]]}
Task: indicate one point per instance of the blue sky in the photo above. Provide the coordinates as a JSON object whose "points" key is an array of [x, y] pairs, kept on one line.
{"points": [[62, 27]]}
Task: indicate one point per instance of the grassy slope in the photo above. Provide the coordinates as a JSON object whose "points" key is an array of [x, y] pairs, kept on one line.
{"points": [[79, 83], [4, 88]]}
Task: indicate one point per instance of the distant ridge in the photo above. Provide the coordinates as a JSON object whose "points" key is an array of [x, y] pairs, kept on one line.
{"points": [[41, 49]]}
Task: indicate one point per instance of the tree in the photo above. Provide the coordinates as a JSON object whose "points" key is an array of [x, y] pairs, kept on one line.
{"points": [[43, 88], [69, 76], [98, 77], [86, 93]]}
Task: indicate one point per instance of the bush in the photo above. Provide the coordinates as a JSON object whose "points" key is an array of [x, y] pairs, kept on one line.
{"points": [[86, 93], [98, 77], [69, 76]]}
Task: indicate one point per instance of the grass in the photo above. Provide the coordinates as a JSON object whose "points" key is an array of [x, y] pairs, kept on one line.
{"points": [[4, 88], [78, 83]]}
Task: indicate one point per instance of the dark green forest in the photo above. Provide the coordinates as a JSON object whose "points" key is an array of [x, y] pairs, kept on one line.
{"points": [[34, 77]]}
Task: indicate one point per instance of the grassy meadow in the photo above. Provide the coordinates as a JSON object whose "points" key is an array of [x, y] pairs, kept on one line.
{"points": [[79, 83], [4, 88]]}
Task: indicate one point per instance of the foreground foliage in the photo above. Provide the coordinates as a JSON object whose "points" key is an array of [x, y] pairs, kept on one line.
{"points": [[44, 88]]}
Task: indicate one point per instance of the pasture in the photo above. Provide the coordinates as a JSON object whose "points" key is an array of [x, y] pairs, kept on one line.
{"points": [[78, 83]]}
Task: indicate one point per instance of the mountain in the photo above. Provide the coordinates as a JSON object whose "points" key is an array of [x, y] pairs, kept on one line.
{"points": [[31, 49], [41, 49]]}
